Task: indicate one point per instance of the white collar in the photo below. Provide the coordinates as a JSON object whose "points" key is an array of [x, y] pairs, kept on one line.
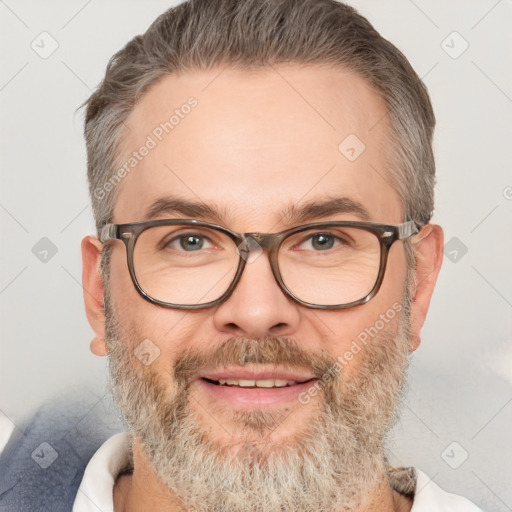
{"points": [[96, 489]]}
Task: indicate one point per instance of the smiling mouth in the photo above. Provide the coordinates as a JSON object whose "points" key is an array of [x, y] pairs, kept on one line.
{"points": [[247, 391], [256, 384]]}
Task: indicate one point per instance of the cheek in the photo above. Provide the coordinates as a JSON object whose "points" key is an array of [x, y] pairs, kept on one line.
{"points": [[163, 332], [139, 319], [345, 334]]}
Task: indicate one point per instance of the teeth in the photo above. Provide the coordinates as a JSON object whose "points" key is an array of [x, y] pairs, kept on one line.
{"points": [[268, 383], [244, 383]]}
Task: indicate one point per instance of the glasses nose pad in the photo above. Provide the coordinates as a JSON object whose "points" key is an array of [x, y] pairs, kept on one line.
{"points": [[249, 250]]}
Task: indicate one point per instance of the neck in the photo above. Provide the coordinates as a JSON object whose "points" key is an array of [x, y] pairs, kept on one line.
{"points": [[143, 491]]}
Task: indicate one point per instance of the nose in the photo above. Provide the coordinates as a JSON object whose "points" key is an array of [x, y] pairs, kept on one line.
{"points": [[258, 307]]}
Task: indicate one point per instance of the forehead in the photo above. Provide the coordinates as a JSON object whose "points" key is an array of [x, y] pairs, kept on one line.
{"points": [[251, 143]]}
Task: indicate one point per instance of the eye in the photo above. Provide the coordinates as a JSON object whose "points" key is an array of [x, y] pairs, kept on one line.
{"points": [[322, 241], [188, 242]]}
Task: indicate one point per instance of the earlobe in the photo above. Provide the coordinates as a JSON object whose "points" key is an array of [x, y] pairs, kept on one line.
{"points": [[98, 346], [93, 292], [428, 248]]}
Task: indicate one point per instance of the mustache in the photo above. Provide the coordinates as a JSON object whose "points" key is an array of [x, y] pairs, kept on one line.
{"points": [[239, 351]]}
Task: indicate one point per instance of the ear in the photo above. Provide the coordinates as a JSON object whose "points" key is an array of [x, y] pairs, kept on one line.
{"points": [[428, 248], [93, 292]]}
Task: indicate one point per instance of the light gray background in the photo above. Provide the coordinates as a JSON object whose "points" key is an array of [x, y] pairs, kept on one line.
{"points": [[460, 387]]}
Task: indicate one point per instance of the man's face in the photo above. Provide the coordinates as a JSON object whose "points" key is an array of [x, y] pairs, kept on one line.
{"points": [[257, 144]]}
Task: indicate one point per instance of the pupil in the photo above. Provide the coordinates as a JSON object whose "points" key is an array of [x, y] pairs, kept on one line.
{"points": [[323, 242], [191, 243]]}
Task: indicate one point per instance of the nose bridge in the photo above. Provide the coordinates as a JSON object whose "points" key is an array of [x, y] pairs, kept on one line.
{"points": [[258, 304], [255, 244], [267, 242]]}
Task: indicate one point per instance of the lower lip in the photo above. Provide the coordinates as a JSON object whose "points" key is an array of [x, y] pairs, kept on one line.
{"points": [[254, 397]]}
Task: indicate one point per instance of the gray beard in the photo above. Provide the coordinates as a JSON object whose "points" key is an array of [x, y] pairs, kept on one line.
{"points": [[330, 464]]}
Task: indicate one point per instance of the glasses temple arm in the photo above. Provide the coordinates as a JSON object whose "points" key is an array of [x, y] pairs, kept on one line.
{"points": [[408, 229], [108, 232]]}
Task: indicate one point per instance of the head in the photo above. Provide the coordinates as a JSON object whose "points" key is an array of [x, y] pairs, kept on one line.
{"points": [[260, 116]]}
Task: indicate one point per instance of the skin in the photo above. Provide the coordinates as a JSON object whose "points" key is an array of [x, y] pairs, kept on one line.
{"points": [[257, 142]]}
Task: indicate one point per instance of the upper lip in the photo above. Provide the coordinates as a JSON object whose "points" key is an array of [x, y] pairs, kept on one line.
{"points": [[256, 374]]}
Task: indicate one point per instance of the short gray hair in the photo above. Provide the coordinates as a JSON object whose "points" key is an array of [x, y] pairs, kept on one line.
{"points": [[247, 34]]}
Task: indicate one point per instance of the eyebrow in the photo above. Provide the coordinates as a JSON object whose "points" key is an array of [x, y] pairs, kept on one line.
{"points": [[317, 209], [294, 214], [173, 205]]}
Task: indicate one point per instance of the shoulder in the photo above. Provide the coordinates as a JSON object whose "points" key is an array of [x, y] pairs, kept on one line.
{"points": [[429, 496], [6, 429], [44, 457], [426, 496]]}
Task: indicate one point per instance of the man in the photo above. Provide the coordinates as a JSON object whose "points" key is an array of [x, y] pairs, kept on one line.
{"points": [[262, 178]]}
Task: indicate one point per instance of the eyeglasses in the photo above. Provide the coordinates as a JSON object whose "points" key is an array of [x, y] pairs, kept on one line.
{"points": [[190, 264]]}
